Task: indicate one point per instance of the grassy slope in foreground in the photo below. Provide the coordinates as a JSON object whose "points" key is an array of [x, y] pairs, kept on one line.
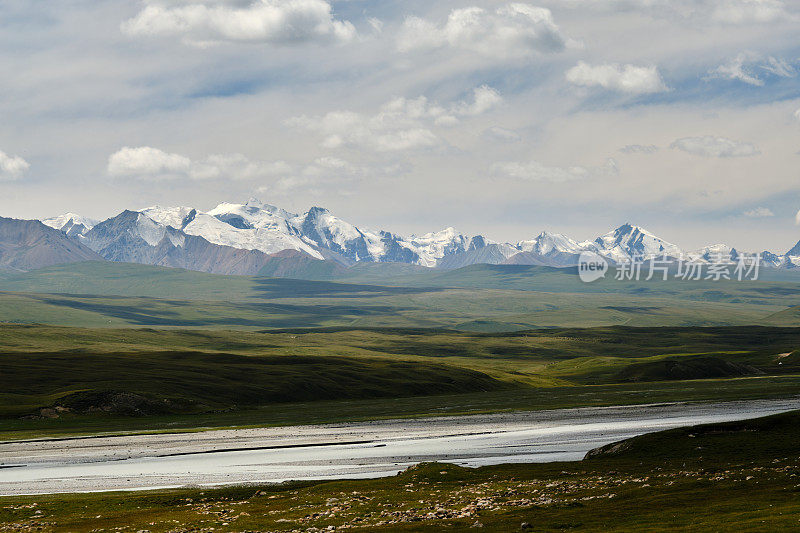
{"points": [[94, 378], [716, 477]]}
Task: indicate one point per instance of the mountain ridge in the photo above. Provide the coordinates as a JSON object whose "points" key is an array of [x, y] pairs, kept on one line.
{"points": [[31, 244], [259, 231]]}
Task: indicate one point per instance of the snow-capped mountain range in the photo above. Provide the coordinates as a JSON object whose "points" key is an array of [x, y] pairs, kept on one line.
{"points": [[242, 238]]}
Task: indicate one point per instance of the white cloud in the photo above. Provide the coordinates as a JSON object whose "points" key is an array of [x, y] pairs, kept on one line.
{"points": [[484, 99], [711, 146], [326, 175], [779, 67], [639, 149], [513, 30], [261, 21], [759, 212], [624, 78], [797, 114], [536, 171], [145, 162], [402, 124], [741, 68], [702, 12], [330, 175], [735, 70], [746, 11], [497, 133], [12, 168]]}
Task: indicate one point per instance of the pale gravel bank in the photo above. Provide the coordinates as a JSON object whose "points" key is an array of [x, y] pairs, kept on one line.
{"points": [[363, 449]]}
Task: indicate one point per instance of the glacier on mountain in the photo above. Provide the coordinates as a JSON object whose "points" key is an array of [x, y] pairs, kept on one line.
{"points": [[266, 229]]}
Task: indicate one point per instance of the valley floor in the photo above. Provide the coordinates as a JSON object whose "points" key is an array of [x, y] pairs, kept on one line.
{"points": [[356, 450], [741, 475]]}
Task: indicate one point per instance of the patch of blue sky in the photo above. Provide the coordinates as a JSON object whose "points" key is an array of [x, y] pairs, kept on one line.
{"points": [[229, 87], [699, 89]]}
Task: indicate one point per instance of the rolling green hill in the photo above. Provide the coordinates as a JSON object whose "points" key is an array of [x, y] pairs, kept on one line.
{"points": [[476, 298], [218, 378]]}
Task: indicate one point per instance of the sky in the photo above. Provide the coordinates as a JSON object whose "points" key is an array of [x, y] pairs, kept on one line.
{"points": [[499, 118]]}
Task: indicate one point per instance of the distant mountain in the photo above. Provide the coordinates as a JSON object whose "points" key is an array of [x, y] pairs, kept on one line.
{"points": [[317, 232], [255, 236], [491, 254], [715, 252], [795, 251], [250, 226], [133, 237], [550, 249], [632, 241], [71, 224], [29, 244]]}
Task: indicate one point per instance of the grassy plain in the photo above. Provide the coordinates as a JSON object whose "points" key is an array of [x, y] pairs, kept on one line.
{"points": [[102, 348], [96, 380], [478, 298]]}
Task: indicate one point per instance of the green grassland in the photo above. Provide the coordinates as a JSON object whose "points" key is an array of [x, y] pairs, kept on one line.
{"points": [[63, 381], [183, 349], [717, 477], [478, 298], [101, 348]]}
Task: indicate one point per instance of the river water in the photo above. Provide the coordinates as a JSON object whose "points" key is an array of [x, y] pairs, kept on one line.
{"points": [[353, 450]]}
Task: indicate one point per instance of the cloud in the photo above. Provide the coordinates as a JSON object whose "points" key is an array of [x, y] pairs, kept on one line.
{"points": [[261, 21], [323, 175], [402, 124], [535, 171], [624, 78], [639, 149], [702, 12], [711, 146], [513, 30], [779, 67], [329, 175], [740, 68], [12, 168], [797, 114], [746, 11], [484, 99], [497, 133], [759, 212], [145, 162], [735, 70]]}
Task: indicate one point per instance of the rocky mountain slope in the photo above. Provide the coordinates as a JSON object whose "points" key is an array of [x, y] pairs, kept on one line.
{"points": [[245, 238], [29, 244]]}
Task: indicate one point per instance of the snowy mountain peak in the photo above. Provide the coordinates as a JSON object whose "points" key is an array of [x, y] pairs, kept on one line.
{"points": [[61, 220], [432, 247], [256, 226], [547, 243], [322, 228], [715, 252], [177, 217], [253, 208], [72, 224], [629, 241], [795, 251]]}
